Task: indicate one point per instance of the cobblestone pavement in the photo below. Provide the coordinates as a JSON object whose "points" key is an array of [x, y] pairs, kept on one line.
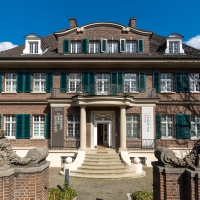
{"points": [[95, 189]]}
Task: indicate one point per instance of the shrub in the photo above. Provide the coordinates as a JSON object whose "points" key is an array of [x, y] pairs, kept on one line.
{"points": [[65, 193], [142, 195]]}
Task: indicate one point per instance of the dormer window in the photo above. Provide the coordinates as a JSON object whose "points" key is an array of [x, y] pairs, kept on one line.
{"points": [[33, 47], [174, 44]]}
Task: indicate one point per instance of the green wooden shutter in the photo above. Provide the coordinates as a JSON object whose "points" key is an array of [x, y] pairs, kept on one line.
{"points": [[156, 81], [179, 82], [66, 46], [63, 82], [92, 84], [120, 82], [122, 45], [0, 82], [47, 130], [84, 45], [26, 126], [140, 45], [103, 45], [142, 82], [49, 82], [179, 126], [27, 82], [85, 82], [20, 82], [186, 82], [113, 81], [158, 125], [187, 126], [19, 126]]}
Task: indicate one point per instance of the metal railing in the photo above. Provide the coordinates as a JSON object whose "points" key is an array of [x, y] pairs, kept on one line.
{"points": [[143, 144], [103, 89]]}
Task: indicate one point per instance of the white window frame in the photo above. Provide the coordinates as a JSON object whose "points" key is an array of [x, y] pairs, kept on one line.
{"points": [[10, 120], [131, 47], [76, 81], [74, 124], [168, 121], [94, 47], [130, 81], [33, 47], [41, 126], [166, 81], [41, 81], [174, 47], [112, 47], [9, 78], [76, 47], [102, 81], [195, 82], [133, 125], [195, 122]]}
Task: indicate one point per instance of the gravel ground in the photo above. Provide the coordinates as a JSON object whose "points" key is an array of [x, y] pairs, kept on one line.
{"points": [[95, 189]]}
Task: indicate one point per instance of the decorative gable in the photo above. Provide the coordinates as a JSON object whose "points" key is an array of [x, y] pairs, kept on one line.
{"points": [[32, 44], [174, 44]]}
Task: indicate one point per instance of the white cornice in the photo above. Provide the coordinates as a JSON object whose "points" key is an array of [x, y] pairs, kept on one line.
{"points": [[103, 24]]}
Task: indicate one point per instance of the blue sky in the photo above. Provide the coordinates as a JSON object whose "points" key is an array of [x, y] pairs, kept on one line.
{"points": [[21, 17]]}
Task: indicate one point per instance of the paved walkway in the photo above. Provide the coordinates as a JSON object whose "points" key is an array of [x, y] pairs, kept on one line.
{"points": [[95, 189]]}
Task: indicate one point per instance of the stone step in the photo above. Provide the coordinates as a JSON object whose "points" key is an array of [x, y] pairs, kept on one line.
{"points": [[102, 159], [113, 162], [102, 170], [102, 155], [96, 172], [108, 176], [102, 167], [102, 164]]}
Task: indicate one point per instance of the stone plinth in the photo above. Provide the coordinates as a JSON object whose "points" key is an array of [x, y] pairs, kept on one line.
{"points": [[25, 182]]}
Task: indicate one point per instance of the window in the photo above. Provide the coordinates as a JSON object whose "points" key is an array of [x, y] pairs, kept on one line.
{"points": [[174, 47], [195, 126], [73, 125], [130, 80], [130, 47], [166, 126], [166, 82], [38, 126], [10, 82], [34, 48], [102, 83], [94, 47], [112, 47], [132, 126], [10, 125], [39, 82], [195, 82], [74, 81], [76, 47]]}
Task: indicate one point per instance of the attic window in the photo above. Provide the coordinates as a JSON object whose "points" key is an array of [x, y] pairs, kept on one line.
{"points": [[174, 47], [33, 47]]}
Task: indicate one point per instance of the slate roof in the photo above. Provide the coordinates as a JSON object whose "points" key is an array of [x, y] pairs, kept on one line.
{"points": [[156, 51]]}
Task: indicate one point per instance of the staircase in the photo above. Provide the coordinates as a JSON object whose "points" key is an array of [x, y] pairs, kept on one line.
{"points": [[103, 163]]}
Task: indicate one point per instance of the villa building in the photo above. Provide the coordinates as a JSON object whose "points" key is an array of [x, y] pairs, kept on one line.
{"points": [[101, 84]]}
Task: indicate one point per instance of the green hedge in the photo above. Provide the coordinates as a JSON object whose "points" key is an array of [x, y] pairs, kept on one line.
{"points": [[142, 195], [65, 193]]}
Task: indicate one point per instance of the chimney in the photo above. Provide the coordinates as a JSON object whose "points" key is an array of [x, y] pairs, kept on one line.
{"points": [[132, 22], [72, 22]]}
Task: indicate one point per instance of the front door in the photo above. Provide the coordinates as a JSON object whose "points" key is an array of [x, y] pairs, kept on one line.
{"points": [[99, 134]]}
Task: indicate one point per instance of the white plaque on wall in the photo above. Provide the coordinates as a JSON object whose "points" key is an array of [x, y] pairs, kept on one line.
{"points": [[147, 123]]}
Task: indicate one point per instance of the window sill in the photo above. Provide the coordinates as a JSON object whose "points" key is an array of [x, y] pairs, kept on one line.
{"points": [[11, 138], [168, 138], [195, 92], [9, 92], [168, 92], [38, 92], [38, 138], [194, 138]]}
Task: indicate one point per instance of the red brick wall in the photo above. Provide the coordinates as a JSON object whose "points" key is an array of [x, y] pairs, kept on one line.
{"points": [[29, 186]]}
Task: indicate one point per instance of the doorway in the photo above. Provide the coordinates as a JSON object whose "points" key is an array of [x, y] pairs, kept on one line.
{"points": [[102, 135]]}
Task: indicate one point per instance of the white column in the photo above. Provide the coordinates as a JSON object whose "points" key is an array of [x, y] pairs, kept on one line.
{"points": [[122, 128], [82, 128]]}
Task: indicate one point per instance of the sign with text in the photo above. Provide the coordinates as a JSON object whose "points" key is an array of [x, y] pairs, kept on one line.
{"points": [[147, 123], [57, 127]]}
